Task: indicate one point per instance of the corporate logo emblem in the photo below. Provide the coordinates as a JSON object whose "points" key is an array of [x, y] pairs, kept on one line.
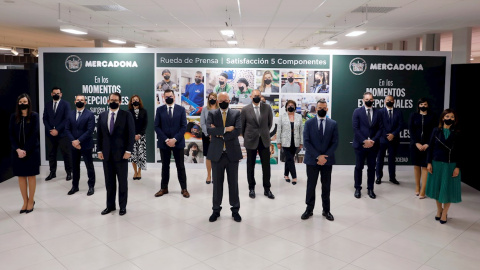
{"points": [[73, 63], [358, 66]]}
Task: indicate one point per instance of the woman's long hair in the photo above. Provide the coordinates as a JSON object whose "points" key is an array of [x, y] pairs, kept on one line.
{"points": [[18, 113]]}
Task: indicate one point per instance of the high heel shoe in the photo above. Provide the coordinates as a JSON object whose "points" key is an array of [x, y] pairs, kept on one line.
{"points": [[287, 179], [438, 218], [31, 210], [294, 182], [23, 211], [443, 221]]}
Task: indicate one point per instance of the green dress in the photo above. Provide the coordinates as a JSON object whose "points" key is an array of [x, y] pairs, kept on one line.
{"points": [[441, 186]]}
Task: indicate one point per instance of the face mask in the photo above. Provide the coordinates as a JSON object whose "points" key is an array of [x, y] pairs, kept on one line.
{"points": [[369, 103], [56, 97], [389, 104], [113, 105], [23, 106], [448, 122], [212, 101], [321, 113], [221, 82], [290, 79], [135, 103], [169, 100], [198, 81], [79, 104], [291, 109], [423, 109], [224, 105], [241, 88], [256, 99], [195, 152], [267, 81], [166, 77], [317, 81]]}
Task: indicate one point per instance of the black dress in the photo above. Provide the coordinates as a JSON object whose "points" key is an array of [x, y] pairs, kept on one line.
{"points": [[420, 127], [25, 135]]}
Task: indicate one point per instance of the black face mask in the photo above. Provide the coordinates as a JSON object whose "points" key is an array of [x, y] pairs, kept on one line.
{"points": [[448, 122], [198, 81], [166, 77], [79, 104], [221, 82], [291, 109], [212, 101], [389, 104], [136, 103], [23, 106], [169, 100], [368, 103], [267, 81], [290, 79], [194, 152], [56, 97], [423, 109], [113, 105], [321, 113], [317, 81], [224, 105], [241, 88], [256, 99]]}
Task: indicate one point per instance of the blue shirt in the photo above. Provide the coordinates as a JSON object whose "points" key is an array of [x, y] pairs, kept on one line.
{"points": [[194, 92]]}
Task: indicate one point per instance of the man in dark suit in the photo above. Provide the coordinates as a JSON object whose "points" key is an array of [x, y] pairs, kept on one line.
{"points": [[320, 137], [115, 138], [55, 117], [79, 130], [367, 127], [170, 126], [257, 119], [224, 127], [389, 139]]}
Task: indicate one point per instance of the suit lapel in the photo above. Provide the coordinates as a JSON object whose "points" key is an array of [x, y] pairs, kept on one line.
{"points": [[252, 112]]}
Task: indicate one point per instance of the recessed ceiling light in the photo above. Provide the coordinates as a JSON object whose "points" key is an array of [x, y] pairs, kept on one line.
{"points": [[314, 48], [5, 48], [117, 40], [73, 30], [330, 42], [227, 32], [232, 42], [355, 33], [141, 46]]}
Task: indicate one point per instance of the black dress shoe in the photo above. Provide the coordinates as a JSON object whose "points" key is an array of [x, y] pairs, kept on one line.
{"points": [[25, 210], [269, 194], [214, 217], [251, 193], [51, 176], [394, 181], [371, 194], [327, 215], [31, 210], [72, 191], [358, 194], [378, 181], [122, 211], [69, 176], [236, 216], [287, 179], [90, 192], [108, 210], [307, 214]]}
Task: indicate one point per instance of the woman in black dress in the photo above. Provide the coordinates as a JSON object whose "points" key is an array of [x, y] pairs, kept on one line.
{"points": [[24, 131], [139, 155], [420, 125]]}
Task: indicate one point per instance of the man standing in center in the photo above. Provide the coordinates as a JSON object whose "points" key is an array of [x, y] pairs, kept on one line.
{"points": [[257, 120], [170, 126]]}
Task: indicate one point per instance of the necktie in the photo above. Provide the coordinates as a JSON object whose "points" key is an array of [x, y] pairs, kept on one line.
{"points": [[369, 117], [320, 129], [170, 112], [194, 160], [54, 107], [257, 113], [112, 122], [79, 114], [224, 117], [390, 114]]}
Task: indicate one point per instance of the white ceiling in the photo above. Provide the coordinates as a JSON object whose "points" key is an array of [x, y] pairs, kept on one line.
{"points": [[272, 24]]}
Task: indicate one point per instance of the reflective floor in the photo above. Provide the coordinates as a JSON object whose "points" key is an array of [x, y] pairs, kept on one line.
{"points": [[394, 231]]}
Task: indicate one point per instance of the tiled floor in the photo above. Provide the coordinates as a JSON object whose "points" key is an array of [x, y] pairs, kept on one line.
{"points": [[395, 231]]}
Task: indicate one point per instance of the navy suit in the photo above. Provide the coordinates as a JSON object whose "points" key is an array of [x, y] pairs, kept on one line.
{"points": [[315, 145], [81, 129], [57, 120], [393, 125], [363, 130], [168, 127], [113, 147]]}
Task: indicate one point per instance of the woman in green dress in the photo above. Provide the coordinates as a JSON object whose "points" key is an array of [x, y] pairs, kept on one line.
{"points": [[444, 179]]}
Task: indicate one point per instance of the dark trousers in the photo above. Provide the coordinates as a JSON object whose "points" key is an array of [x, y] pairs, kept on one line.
{"points": [[392, 153], [218, 173], [179, 162], [88, 160], [360, 155], [289, 153], [52, 144], [325, 172], [264, 153], [116, 170]]}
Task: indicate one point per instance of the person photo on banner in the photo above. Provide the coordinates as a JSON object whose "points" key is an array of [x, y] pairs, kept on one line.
{"points": [[194, 94], [194, 129], [320, 82], [243, 93], [268, 85], [139, 154], [223, 85], [167, 82], [193, 153], [291, 83]]}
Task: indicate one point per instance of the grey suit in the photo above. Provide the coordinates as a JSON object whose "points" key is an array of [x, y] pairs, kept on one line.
{"points": [[256, 137]]}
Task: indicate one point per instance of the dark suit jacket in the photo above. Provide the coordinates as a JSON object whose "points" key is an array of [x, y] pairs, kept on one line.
{"points": [[32, 129], [230, 139], [81, 129], [315, 147], [251, 127], [168, 128], [444, 150], [56, 120], [114, 146], [362, 129], [394, 126]]}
